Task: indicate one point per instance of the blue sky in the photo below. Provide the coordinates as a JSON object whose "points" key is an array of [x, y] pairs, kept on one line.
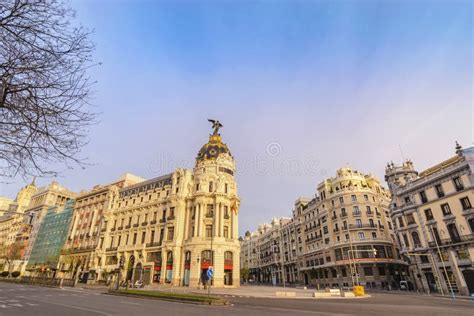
{"points": [[302, 88]]}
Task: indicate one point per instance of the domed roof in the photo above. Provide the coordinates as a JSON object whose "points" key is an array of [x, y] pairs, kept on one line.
{"points": [[212, 149]]}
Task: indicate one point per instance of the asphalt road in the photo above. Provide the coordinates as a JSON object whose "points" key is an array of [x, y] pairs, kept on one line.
{"points": [[22, 300]]}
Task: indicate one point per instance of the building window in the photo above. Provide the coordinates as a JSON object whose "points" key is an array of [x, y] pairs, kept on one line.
{"points": [[428, 214], [453, 232], [170, 233], [400, 222], [368, 271], [135, 238], [356, 210], [366, 197], [341, 200], [226, 188], [458, 184], [226, 231], [405, 239], [471, 224], [359, 223], [211, 186], [152, 237], [209, 231], [374, 235], [361, 235], [424, 259], [343, 212], [354, 198], [423, 197], [210, 210], [410, 219], [416, 239], [371, 223], [466, 204], [369, 211], [445, 209], [439, 190], [381, 271], [143, 237]]}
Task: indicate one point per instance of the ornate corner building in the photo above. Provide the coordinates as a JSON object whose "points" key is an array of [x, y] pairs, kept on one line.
{"points": [[330, 239], [171, 228], [434, 221]]}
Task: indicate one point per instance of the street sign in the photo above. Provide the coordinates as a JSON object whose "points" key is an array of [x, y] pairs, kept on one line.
{"points": [[210, 272]]}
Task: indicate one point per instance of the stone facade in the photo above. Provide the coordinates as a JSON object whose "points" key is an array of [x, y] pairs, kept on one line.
{"points": [[14, 228], [166, 228], [434, 221], [81, 253], [330, 240]]}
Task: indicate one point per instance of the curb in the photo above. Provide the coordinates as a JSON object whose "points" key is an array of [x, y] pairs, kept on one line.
{"points": [[176, 300]]}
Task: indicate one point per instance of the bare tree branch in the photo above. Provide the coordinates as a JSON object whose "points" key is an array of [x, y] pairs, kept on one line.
{"points": [[44, 87]]}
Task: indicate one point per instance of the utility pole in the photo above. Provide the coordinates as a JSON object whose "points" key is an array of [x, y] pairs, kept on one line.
{"points": [[444, 265]]}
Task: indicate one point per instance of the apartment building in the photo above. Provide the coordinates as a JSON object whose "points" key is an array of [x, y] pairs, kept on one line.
{"points": [[81, 254], [341, 237], [434, 221]]}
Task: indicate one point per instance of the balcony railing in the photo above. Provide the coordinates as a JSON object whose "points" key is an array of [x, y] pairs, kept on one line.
{"points": [[355, 226], [120, 228], [111, 249], [170, 218], [153, 222], [450, 241], [127, 227], [163, 220], [144, 223]]}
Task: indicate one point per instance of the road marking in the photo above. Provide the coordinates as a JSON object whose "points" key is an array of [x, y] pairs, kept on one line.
{"points": [[129, 303], [32, 304], [16, 305], [4, 306]]}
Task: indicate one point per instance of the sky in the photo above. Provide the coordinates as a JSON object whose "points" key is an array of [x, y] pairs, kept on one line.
{"points": [[301, 87]]}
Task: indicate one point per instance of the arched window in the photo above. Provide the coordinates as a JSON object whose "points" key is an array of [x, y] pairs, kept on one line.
{"points": [[228, 258], [187, 257], [206, 259]]}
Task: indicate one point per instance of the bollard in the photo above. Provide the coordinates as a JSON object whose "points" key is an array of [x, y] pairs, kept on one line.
{"points": [[359, 290]]}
